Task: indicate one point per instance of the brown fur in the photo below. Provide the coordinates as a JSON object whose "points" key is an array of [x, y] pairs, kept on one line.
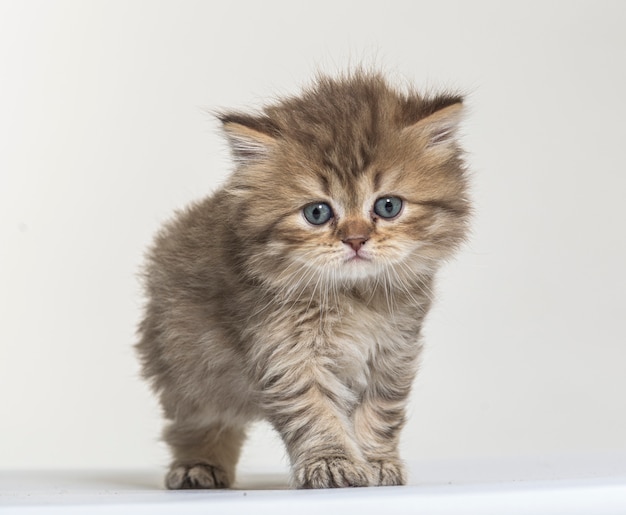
{"points": [[255, 313]]}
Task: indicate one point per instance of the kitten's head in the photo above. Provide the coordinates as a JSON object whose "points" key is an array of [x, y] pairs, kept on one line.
{"points": [[352, 181]]}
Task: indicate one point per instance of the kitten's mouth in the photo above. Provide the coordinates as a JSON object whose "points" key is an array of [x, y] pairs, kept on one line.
{"points": [[357, 258]]}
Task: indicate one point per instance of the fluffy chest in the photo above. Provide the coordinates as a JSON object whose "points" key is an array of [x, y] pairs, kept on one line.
{"points": [[362, 341], [344, 347]]}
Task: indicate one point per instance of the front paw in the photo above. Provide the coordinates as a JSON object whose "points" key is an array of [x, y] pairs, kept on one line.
{"points": [[389, 472], [184, 476], [333, 472]]}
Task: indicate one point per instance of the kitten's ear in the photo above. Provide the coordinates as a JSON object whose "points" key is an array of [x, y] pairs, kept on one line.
{"points": [[439, 128], [251, 138]]}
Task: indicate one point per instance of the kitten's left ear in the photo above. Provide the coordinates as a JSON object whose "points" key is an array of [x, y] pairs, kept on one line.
{"points": [[439, 128], [251, 138]]}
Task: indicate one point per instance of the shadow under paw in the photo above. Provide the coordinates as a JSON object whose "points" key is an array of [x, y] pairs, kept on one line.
{"points": [[333, 472], [197, 475]]}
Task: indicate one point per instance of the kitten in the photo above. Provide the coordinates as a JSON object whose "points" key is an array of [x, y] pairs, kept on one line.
{"points": [[296, 293]]}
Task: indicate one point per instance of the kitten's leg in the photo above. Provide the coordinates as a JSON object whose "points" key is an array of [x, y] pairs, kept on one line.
{"points": [[204, 457], [305, 405], [377, 425]]}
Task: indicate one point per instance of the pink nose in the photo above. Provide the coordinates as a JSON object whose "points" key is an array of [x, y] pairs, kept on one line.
{"points": [[356, 242]]}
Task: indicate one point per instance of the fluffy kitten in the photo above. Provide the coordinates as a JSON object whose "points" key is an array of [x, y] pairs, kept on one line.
{"points": [[296, 292]]}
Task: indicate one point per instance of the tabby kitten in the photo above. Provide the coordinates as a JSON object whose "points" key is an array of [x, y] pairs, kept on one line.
{"points": [[296, 293]]}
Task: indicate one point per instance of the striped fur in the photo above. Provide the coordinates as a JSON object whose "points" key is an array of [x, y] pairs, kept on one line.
{"points": [[252, 312]]}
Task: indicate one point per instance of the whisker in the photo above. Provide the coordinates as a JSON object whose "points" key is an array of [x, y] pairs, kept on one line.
{"points": [[420, 285]]}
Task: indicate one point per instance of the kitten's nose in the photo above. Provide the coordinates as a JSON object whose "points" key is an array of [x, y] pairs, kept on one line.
{"points": [[356, 242]]}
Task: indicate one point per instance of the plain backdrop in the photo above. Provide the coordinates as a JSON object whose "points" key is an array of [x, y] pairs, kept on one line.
{"points": [[104, 131]]}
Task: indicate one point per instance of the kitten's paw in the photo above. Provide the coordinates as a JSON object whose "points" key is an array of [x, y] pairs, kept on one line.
{"points": [[389, 472], [333, 472], [196, 475]]}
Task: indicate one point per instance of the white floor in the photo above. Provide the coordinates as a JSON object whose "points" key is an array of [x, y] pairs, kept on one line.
{"points": [[593, 485]]}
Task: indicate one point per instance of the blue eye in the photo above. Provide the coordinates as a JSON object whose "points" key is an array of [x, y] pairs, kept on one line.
{"points": [[388, 207], [318, 213]]}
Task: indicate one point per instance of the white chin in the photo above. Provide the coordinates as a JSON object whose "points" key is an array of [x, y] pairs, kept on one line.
{"points": [[357, 269]]}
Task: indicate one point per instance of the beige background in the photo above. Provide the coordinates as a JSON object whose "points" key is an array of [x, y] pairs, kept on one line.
{"points": [[104, 131]]}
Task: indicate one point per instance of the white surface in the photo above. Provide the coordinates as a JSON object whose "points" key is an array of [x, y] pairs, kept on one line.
{"points": [[103, 133], [542, 486]]}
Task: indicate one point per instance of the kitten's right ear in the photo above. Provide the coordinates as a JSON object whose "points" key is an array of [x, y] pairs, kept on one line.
{"points": [[251, 138]]}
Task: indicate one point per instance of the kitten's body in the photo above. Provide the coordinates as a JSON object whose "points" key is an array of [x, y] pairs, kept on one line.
{"points": [[255, 312]]}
